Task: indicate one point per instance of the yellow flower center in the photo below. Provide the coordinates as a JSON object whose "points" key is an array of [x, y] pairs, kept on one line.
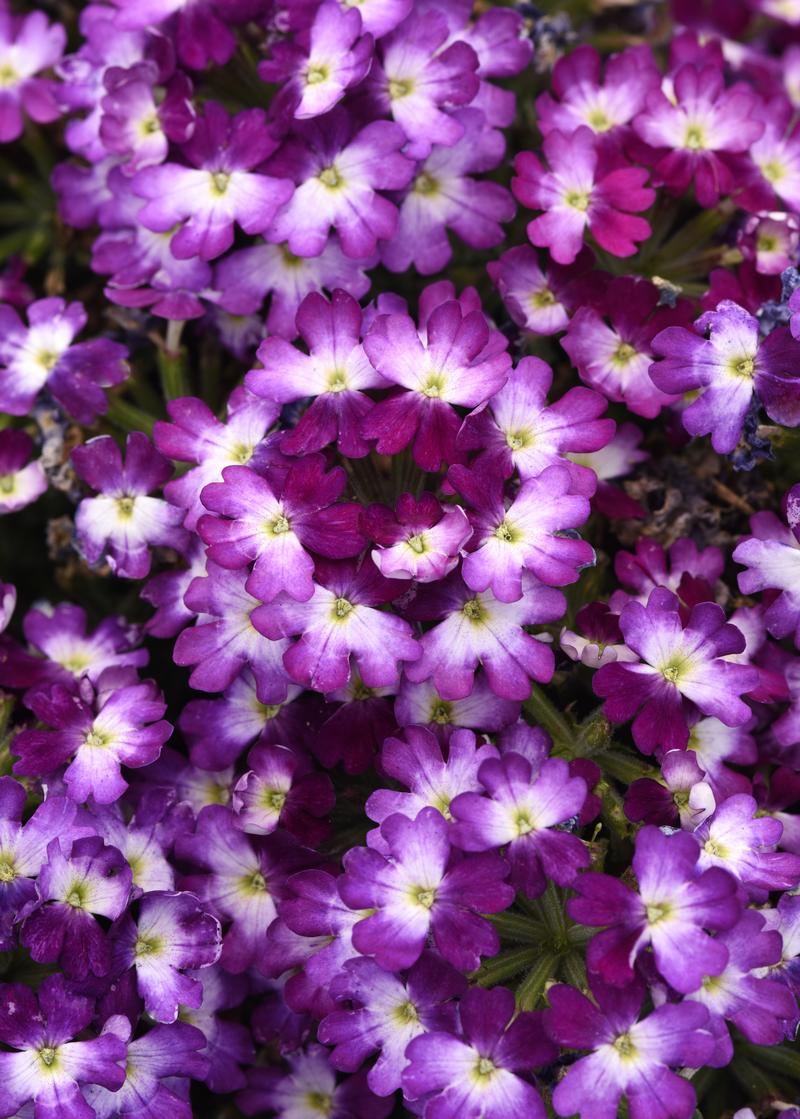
{"points": [[316, 74], [474, 610], [331, 178], [425, 184], [219, 183], [578, 200], [400, 87]]}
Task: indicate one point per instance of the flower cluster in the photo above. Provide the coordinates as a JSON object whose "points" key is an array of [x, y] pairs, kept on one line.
{"points": [[399, 672]]}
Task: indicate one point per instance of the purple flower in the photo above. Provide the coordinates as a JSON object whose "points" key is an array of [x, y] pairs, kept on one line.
{"points": [[314, 80], [422, 888], [785, 919], [120, 526], [421, 540], [277, 525], [218, 188], [22, 481], [92, 880], [476, 1073], [681, 793], [759, 1007], [44, 1064], [630, 1058], [478, 629], [518, 430], [202, 30], [282, 788], [694, 131], [606, 106], [221, 647], [676, 903], [389, 1014], [340, 621], [335, 373], [444, 196], [689, 572], [42, 354], [772, 559], [157, 1071], [23, 847], [453, 365], [338, 175], [523, 808], [171, 934], [599, 640], [615, 356], [538, 298], [741, 841], [480, 710], [730, 367], [310, 1085], [420, 77], [682, 669], [137, 123], [28, 45], [532, 534], [433, 776], [578, 193], [126, 728]]}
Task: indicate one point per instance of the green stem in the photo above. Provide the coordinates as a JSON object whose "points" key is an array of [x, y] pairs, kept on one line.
{"points": [[531, 989], [546, 715], [172, 369], [128, 417]]}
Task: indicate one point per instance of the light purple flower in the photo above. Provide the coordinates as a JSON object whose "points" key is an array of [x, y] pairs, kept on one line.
{"points": [[677, 902], [598, 640], [202, 28], [43, 1063], [478, 629], [126, 728], [137, 122], [681, 793], [772, 559], [731, 366], [28, 45], [743, 842], [171, 934], [281, 787], [421, 704], [682, 669], [22, 478], [121, 525], [453, 365], [476, 1073], [424, 888], [631, 1058], [421, 540], [390, 1013], [339, 622], [335, 372], [43, 355], [296, 1094], [539, 298], [577, 194], [76, 884], [218, 188], [522, 809], [339, 174]]}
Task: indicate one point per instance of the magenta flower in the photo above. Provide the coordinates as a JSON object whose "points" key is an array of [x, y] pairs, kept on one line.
{"points": [[22, 479], [312, 81], [335, 372], [530, 535], [43, 1063], [278, 525], [677, 904], [218, 188], [478, 629], [523, 808], [451, 366], [125, 729], [338, 176], [630, 1058], [771, 557], [539, 298], [598, 640], [476, 1073], [390, 1013], [731, 367], [43, 355], [611, 343], [443, 196], [28, 45], [695, 132], [433, 776], [682, 669], [121, 525], [423, 888], [170, 935], [420, 540], [518, 430], [577, 193], [92, 880], [420, 77], [689, 572], [340, 621]]}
